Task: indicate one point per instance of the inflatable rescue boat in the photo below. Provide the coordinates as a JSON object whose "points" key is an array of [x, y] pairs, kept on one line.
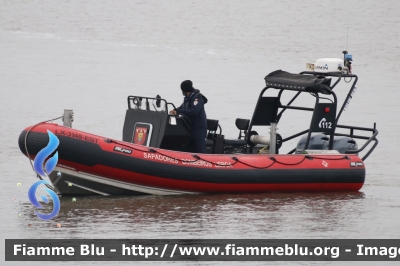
{"points": [[151, 158]]}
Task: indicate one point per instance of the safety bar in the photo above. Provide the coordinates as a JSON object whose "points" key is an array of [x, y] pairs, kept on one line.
{"points": [[372, 138], [352, 128], [137, 101]]}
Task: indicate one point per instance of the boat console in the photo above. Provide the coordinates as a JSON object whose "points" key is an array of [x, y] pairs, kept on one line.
{"points": [[148, 123]]}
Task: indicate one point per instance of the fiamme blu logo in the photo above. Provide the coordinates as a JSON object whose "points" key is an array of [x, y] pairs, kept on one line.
{"points": [[43, 169]]}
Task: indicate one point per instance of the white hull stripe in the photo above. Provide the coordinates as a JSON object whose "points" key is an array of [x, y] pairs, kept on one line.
{"points": [[121, 184], [86, 188]]}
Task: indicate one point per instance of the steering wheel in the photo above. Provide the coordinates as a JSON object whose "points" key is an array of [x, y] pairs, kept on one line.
{"points": [[185, 120]]}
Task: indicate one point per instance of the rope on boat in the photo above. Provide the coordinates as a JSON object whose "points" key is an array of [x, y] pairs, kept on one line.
{"points": [[332, 159], [302, 160], [26, 148], [236, 160], [274, 160], [216, 164], [257, 167], [198, 158], [180, 160]]}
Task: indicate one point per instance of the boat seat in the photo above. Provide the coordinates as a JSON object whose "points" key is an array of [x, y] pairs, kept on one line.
{"points": [[238, 145], [242, 125], [214, 140], [212, 125]]}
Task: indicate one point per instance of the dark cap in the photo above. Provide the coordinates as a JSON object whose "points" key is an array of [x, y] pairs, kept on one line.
{"points": [[187, 86]]}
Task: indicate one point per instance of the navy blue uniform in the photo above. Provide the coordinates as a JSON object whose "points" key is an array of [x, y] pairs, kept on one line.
{"points": [[193, 108]]}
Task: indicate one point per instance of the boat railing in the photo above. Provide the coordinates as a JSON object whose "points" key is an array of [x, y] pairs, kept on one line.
{"points": [[369, 139], [156, 104], [351, 135]]}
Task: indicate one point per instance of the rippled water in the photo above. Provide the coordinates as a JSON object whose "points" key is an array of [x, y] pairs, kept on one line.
{"points": [[90, 55]]}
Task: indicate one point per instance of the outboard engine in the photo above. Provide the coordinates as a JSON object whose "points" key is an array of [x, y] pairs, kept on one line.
{"points": [[321, 142], [318, 141], [343, 144]]}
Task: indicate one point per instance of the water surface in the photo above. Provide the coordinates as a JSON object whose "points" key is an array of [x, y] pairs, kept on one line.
{"points": [[90, 55]]}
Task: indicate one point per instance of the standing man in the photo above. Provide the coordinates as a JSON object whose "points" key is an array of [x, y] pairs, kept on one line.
{"points": [[193, 108]]}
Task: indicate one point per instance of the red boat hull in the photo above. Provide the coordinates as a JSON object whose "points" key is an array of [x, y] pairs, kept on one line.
{"points": [[90, 164]]}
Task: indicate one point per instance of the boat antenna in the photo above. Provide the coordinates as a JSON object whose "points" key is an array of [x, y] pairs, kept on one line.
{"points": [[347, 39], [347, 58]]}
